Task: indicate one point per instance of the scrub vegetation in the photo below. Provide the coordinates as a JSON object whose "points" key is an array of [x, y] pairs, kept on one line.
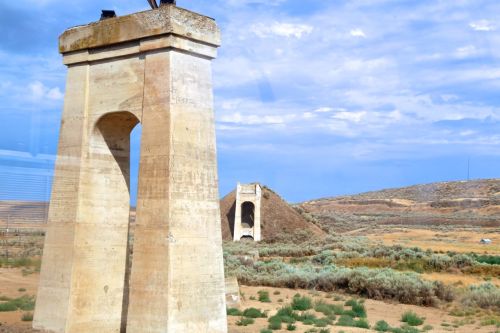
{"points": [[362, 269]]}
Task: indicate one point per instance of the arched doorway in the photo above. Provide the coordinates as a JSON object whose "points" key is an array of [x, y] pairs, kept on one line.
{"points": [[107, 202], [247, 215]]}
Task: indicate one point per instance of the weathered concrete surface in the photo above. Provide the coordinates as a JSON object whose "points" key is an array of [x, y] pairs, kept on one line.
{"points": [[154, 68], [247, 223], [233, 296], [168, 20]]}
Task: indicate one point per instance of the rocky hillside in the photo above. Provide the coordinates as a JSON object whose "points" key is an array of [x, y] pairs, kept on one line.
{"points": [[474, 203], [19, 214], [278, 217]]}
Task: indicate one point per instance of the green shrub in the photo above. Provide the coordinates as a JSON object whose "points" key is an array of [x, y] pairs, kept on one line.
{"points": [[264, 296], [338, 309], [233, 312], [412, 319], [245, 321], [382, 326], [346, 321], [266, 330], [490, 260], [349, 313], [25, 303], [307, 317], [287, 319], [287, 315], [324, 258], [274, 323], [21, 290], [351, 302], [362, 323], [7, 307], [486, 296], [323, 322], [254, 313], [491, 320], [386, 283], [325, 330], [323, 308], [291, 327], [21, 262], [301, 303], [405, 329], [359, 310], [308, 321], [27, 316]]}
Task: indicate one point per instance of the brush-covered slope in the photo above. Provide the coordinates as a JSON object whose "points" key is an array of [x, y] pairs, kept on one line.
{"points": [[474, 202], [278, 218]]}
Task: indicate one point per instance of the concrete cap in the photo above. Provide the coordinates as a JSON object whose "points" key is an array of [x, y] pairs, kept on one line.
{"points": [[166, 20]]}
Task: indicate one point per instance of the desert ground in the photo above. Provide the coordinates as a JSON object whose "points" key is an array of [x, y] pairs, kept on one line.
{"points": [[19, 280], [14, 283]]}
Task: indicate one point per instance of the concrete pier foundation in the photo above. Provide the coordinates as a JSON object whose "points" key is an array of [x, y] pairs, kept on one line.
{"points": [[152, 68]]}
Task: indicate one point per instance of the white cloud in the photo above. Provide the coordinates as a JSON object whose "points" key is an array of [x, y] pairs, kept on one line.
{"points": [[358, 33], [55, 94], [449, 98], [466, 51], [355, 117], [40, 92], [282, 29], [323, 109], [482, 25], [253, 119], [362, 64]]}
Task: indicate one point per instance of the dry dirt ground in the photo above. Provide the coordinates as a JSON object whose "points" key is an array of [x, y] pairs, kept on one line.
{"points": [[11, 280], [12, 283], [376, 310]]}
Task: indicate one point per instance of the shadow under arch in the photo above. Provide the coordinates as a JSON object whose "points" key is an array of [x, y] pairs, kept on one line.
{"points": [[112, 135], [247, 214]]}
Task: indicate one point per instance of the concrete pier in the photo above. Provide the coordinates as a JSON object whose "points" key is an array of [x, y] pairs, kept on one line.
{"points": [[152, 68]]}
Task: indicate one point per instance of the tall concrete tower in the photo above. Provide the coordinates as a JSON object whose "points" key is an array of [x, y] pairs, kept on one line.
{"points": [[247, 212], [152, 68]]}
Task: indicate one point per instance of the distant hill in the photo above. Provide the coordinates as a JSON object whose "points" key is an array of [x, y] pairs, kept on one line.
{"points": [[278, 218], [21, 214], [474, 203]]}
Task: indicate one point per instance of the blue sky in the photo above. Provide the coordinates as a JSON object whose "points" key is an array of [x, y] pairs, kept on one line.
{"points": [[313, 98]]}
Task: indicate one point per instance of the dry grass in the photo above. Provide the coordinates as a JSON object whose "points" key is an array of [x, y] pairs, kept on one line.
{"points": [[463, 241], [458, 279]]}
